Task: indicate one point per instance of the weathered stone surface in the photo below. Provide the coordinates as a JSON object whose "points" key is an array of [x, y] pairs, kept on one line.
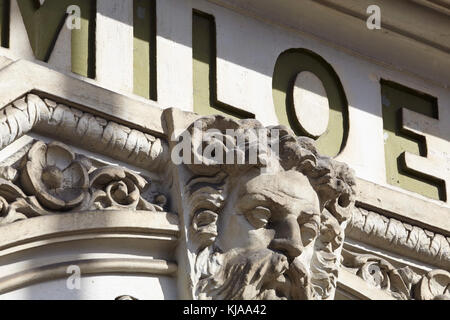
{"points": [[54, 179], [398, 237], [270, 230], [82, 129], [401, 283]]}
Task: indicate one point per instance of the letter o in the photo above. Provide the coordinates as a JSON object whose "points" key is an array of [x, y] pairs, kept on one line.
{"points": [[304, 88]]}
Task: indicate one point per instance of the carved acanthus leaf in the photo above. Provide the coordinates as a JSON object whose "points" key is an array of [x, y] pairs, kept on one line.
{"points": [[435, 285], [402, 283], [118, 188]]}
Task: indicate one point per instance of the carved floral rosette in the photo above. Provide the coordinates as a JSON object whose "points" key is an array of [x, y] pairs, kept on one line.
{"points": [[52, 179], [54, 176]]}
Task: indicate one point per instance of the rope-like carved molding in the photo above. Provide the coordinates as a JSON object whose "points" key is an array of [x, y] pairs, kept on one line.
{"points": [[375, 229], [82, 129]]}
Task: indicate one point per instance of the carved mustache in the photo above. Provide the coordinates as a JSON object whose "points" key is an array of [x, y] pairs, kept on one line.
{"points": [[290, 280], [262, 274], [299, 277]]}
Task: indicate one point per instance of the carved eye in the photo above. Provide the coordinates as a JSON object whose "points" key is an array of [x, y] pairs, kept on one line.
{"points": [[258, 217]]}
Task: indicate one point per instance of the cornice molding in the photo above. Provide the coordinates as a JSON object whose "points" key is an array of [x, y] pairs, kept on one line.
{"points": [[89, 267], [442, 6], [21, 77], [401, 223], [394, 236], [71, 125], [391, 14], [408, 26], [45, 230], [404, 206]]}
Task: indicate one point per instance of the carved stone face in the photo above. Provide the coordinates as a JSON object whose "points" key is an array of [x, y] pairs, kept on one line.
{"points": [[265, 227], [269, 230]]}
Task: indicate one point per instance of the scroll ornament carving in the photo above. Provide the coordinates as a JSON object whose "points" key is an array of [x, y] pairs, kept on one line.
{"points": [[401, 283], [435, 285], [51, 179], [274, 234]]}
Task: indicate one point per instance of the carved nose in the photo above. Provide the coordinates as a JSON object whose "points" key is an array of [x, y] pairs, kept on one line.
{"points": [[287, 238]]}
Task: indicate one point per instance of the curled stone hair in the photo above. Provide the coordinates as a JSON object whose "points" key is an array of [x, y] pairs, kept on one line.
{"points": [[333, 181]]}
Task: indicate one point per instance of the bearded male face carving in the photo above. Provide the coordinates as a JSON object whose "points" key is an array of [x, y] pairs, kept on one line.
{"points": [[275, 235], [261, 236]]}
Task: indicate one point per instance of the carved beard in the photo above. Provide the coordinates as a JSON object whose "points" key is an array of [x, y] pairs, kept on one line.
{"points": [[255, 275]]}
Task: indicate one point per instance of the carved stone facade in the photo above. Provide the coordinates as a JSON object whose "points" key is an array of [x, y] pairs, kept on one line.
{"points": [[51, 178], [105, 194], [403, 238], [402, 283], [271, 229], [274, 235]]}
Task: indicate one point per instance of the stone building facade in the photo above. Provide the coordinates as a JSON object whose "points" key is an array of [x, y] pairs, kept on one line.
{"points": [[224, 149]]}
